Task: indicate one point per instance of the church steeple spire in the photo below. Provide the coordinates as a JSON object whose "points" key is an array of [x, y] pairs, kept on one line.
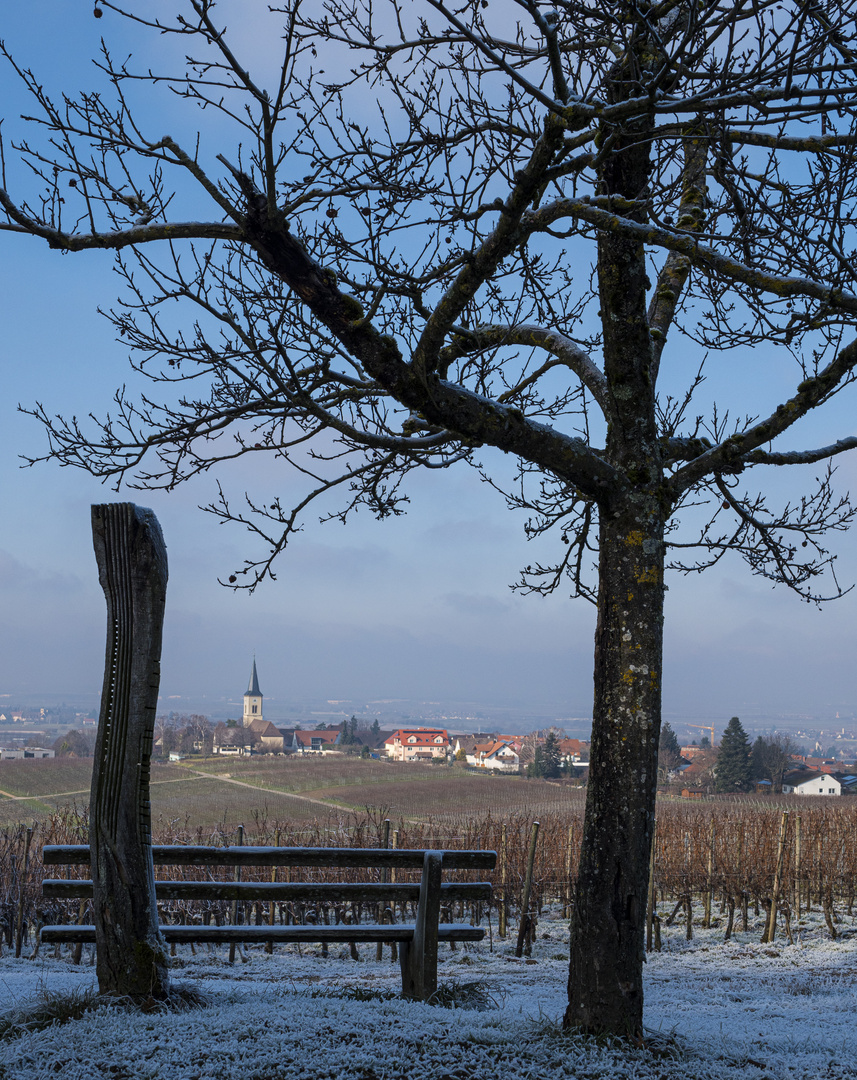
{"points": [[253, 688], [252, 698]]}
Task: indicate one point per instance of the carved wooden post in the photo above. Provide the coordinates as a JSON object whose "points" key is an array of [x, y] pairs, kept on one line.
{"points": [[132, 568]]}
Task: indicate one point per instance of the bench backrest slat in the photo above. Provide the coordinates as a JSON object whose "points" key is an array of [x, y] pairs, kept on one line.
{"points": [[81, 888], [202, 855]]}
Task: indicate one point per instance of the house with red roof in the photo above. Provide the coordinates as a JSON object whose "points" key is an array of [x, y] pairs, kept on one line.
{"points": [[417, 744], [496, 754], [572, 751], [316, 742]]}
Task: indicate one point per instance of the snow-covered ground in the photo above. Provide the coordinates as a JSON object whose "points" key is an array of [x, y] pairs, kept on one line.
{"points": [[713, 1010]]}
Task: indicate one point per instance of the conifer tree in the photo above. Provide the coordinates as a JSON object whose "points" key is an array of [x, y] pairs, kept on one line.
{"points": [[771, 758], [669, 751], [733, 772], [551, 758]]}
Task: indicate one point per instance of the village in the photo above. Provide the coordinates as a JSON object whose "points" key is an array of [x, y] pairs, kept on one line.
{"points": [[776, 763]]}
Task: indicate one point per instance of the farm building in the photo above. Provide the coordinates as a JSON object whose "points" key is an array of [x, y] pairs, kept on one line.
{"points": [[19, 752]]}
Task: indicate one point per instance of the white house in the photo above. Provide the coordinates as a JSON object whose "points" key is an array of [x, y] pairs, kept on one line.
{"points": [[498, 755], [814, 784], [465, 743]]}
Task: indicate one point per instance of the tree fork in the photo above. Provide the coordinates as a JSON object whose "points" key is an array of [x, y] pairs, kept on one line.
{"points": [[132, 568]]}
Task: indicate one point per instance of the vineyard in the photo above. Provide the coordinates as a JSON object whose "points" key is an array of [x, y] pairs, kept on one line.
{"points": [[715, 864]]}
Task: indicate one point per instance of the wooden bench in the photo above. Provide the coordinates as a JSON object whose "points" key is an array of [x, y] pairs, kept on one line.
{"points": [[417, 941]]}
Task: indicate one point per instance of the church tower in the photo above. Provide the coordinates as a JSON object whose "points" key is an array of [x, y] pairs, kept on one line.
{"points": [[253, 699]]}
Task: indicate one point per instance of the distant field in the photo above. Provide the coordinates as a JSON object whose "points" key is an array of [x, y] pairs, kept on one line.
{"points": [[45, 776], [312, 774], [441, 796], [43, 786], [283, 789], [210, 803]]}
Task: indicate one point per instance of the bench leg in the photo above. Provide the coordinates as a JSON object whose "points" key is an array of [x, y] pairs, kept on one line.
{"points": [[405, 965], [422, 954]]}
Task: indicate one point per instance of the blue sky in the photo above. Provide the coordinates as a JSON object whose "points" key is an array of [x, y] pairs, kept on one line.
{"points": [[418, 607]]}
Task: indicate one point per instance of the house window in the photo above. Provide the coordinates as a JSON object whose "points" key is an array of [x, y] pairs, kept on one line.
{"points": [[255, 708], [412, 739], [831, 791]]}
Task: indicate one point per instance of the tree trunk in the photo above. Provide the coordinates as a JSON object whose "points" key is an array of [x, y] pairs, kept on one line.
{"points": [[132, 568], [605, 985], [605, 991]]}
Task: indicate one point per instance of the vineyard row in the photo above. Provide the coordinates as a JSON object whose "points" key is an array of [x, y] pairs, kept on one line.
{"points": [[710, 853]]}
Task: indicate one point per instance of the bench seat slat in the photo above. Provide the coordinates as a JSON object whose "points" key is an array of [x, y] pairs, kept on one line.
{"points": [[250, 934], [203, 855], [349, 892]]}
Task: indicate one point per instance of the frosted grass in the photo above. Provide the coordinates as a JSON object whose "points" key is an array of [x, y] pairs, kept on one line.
{"points": [[713, 1010]]}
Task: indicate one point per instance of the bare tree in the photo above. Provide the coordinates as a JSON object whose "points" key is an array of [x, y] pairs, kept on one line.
{"points": [[443, 228], [772, 759]]}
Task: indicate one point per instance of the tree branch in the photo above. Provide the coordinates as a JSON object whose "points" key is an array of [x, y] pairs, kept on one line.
{"points": [[731, 456]]}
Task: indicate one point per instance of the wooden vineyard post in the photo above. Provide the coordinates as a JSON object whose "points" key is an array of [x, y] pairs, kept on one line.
{"points": [[132, 569], [234, 908], [650, 911], [798, 841], [22, 885], [528, 884], [744, 918], [394, 949], [771, 928], [385, 843], [566, 908], [269, 946], [502, 900], [709, 885]]}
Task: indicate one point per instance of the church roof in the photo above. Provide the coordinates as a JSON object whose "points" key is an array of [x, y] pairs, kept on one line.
{"points": [[253, 689]]}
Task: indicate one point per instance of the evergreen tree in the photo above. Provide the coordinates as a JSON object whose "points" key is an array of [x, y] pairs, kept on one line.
{"points": [[349, 733], [733, 772], [536, 767], [551, 758], [669, 752], [546, 761], [757, 760], [771, 759]]}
